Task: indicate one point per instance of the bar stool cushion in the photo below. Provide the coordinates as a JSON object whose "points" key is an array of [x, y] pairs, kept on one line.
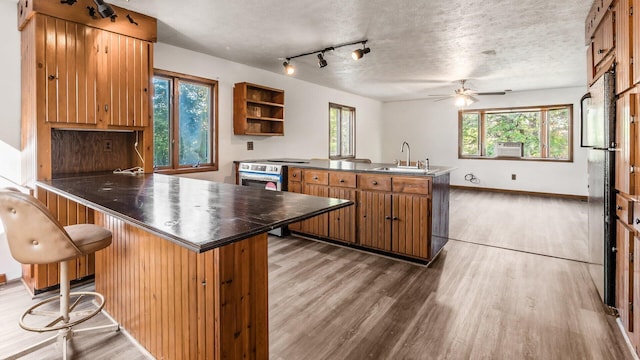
{"points": [[89, 238]]}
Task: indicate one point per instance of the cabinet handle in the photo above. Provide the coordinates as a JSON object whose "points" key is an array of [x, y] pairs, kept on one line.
{"points": [[375, 182], [637, 221], [614, 249], [341, 180], [315, 178], [618, 207], [395, 218], [338, 219], [387, 217], [52, 77], [106, 108], [601, 51], [294, 175]]}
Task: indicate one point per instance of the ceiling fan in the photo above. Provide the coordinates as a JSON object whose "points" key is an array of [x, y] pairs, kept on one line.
{"points": [[465, 96]]}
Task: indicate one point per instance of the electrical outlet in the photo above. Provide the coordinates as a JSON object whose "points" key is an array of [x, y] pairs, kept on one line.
{"points": [[107, 145], [513, 176], [249, 145]]}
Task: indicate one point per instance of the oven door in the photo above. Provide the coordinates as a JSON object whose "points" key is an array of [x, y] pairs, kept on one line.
{"points": [[261, 181]]}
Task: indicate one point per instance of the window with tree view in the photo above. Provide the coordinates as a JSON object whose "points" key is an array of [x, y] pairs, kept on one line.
{"points": [[342, 123], [184, 122], [545, 133]]}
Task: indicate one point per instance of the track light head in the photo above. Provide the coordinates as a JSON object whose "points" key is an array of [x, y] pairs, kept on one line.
{"points": [[359, 53], [105, 10], [288, 68], [321, 61]]}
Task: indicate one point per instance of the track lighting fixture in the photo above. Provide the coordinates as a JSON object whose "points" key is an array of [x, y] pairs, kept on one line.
{"points": [[105, 10], [288, 68], [322, 62], [359, 53]]}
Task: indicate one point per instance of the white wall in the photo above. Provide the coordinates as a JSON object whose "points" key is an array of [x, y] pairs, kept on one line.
{"points": [[431, 128], [9, 119], [306, 112]]}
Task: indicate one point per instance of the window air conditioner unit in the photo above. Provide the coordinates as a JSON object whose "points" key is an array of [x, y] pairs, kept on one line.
{"points": [[508, 149]]}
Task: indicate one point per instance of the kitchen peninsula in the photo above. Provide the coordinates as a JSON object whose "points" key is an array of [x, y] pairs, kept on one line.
{"points": [[401, 212], [186, 274]]}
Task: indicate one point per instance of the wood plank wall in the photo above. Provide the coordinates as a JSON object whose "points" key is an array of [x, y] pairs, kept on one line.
{"points": [[29, 128], [78, 152], [42, 277], [182, 305]]}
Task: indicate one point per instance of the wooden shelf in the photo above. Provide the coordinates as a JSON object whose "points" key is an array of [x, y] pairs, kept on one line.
{"points": [[258, 110]]}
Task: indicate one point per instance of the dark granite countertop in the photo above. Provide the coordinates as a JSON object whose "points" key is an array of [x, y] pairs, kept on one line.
{"points": [[197, 214], [342, 165]]}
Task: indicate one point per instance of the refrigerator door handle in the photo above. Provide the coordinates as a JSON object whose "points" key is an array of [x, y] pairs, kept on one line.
{"points": [[584, 97]]}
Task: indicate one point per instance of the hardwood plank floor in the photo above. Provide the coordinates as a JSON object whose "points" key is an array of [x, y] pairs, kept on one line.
{"points": [[474, 302], [542, 225]]}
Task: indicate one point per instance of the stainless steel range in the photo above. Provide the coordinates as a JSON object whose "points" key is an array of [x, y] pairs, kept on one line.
{"points": [[267, 176]]}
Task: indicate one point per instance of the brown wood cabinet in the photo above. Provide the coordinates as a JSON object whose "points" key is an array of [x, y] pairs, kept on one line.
{"points": [[624, 274], [626, 129], [80, 73], [257, 110], [342, 222], [623, 45], [393, 213], [635, 43], [601, 47]]}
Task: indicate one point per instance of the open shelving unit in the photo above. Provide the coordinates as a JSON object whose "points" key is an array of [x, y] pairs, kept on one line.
{"points": [[258, 110]]}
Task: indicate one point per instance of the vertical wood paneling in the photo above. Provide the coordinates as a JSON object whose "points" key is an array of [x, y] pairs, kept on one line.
{"points": [[624, 275], [624, 46], [625, 139], [635, 37], [374, 209], [91, 49], [410, 225], [183, 305], [342, 221], [317, 225]]}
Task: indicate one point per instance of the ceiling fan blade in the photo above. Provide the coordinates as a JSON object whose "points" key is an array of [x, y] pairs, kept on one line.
{"points": [[441, 95], [473, 98], [490, 93], [442, 99]]}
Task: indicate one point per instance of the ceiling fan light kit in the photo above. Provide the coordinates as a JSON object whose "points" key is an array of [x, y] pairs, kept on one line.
{"points": [[464, 96], [322, 62]]}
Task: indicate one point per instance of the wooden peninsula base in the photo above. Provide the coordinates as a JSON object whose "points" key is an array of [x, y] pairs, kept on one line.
{"points": [[179, 304]]}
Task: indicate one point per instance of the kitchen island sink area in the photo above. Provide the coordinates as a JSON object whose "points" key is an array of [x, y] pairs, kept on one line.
{"points": [[188, 257]]}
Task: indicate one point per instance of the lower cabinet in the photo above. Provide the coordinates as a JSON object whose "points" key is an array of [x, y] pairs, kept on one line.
{"points": [[624, 274], [392, 213]]}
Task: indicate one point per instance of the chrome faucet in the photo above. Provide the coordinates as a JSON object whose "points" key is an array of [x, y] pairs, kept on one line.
{"points": [[408, 152]]}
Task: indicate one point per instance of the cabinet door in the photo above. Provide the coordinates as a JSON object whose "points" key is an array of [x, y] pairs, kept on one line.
{"points": [[411, 225], [295, 187], [317, 225], [342, 222], [624, 274], [635, 44], [375, 220], [67, 53], [625, 142], [624, 46], [603, 41], [124, 95]]}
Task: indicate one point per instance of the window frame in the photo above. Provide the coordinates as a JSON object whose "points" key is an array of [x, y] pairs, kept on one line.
{"points": [[352, 130], [544, 131], [174, 131]]}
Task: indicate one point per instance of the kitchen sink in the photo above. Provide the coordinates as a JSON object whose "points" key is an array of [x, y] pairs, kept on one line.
{"points": [[401, 170]]}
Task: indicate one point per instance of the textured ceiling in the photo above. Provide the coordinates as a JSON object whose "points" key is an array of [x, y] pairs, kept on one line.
{"points": [[418, 47]]}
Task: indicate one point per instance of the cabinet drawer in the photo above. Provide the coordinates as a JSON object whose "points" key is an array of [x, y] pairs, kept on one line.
{"points": [[342, 179], [624, 209], [295, 175], [412, 185], [374, 182], [316, 177]]}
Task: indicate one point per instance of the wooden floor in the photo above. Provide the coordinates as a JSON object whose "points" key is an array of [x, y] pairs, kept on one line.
{"points": [[473, 302], [541, 225]]}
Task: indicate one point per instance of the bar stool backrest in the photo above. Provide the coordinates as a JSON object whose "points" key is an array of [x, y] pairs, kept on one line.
{"points": [[33, 234]]}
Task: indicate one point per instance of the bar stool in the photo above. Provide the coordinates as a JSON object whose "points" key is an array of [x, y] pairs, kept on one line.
{"points": [[36, 237]]}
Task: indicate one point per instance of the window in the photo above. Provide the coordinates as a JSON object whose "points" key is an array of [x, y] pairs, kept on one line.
{"points": [[342, 125], [545, 132], [184, 123]]}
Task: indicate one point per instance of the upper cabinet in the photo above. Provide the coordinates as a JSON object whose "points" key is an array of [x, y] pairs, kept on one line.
{"points": [[91, 76], [601, 47], [257, 110], [624, 45]]}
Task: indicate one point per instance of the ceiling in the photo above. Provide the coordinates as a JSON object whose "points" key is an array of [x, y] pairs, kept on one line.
{"points": [[417, 47]]}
